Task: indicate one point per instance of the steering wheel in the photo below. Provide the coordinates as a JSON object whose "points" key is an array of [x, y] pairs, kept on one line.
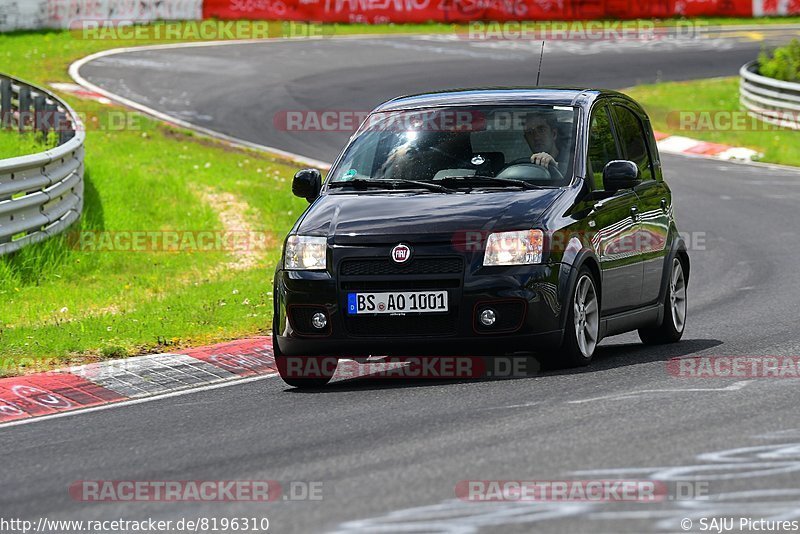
{"points": [[553, 169]]}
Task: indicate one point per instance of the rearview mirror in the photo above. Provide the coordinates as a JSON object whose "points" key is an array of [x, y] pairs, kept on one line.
{"points": [[307, 184], [621, 174]]}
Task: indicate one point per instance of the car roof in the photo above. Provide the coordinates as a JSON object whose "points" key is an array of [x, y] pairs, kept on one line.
{"points": [[549, 96]]}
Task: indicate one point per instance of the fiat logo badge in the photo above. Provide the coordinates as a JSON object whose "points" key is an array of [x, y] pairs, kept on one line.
{"points": [[401, 253]]}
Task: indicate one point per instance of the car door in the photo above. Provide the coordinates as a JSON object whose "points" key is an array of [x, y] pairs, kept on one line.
{"points": [[654, 197], [616, 222]]}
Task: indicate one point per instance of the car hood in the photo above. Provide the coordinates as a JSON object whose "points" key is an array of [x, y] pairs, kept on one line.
{"points": [[426, 217]]}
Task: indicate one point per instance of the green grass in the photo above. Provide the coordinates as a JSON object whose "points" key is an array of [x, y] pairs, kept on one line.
{"points": [[710, 106], [59, 302], [12, 144]]}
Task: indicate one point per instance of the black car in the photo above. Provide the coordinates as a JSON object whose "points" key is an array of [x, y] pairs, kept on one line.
{"points": [[483, 222]]}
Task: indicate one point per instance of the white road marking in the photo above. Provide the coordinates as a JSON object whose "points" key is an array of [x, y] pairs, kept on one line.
{"points": [[736, 153], [677, 144], [793, 433], [624, 396], [776, 453], [513, 406], [704, 472], [456, 516]]}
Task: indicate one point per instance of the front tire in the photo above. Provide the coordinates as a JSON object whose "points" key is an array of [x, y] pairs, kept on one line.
{"points": [[674, 323], [583, 322], [303, 372]]}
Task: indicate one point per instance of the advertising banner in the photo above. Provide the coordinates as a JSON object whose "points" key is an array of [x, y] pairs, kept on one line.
{"points": [[381, 11]]}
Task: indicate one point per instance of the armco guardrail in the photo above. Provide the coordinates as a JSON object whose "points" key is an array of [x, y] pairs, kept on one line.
{"points": [[40, 194], [772, 101]]}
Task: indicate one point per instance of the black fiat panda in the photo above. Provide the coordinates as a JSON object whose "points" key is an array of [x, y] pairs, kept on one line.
{"points": [[482, 222]]}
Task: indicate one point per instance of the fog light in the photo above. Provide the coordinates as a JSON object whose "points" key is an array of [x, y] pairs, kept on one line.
{"points": [[488, 317], [319, 321]]}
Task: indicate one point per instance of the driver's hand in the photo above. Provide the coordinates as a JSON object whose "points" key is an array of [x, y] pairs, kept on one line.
{"points": [[544, 159]]}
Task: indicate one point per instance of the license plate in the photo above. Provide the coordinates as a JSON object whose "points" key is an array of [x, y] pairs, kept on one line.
{"points": [[405, 302]]}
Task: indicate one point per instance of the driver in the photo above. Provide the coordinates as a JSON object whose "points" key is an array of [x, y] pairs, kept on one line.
{"points": [[541, 134]]}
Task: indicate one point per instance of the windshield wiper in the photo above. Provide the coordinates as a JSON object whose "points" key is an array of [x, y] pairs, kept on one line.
{"points": [[362, 183], [490, 179]]}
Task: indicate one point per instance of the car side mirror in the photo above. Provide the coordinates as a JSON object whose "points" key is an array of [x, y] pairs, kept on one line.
{"points": [[621, 174], [307, 184]]}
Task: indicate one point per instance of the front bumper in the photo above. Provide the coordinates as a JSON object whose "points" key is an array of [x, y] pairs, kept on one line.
{"points": [[528, 300]]}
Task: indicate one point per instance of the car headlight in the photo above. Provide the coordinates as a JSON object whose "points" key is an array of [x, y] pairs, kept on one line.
{"points": [[305, 253], [514, 248]]}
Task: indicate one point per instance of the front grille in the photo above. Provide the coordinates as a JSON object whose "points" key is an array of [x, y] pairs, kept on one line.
{"points": [[403, 325], [387, 267], [403, 285]]}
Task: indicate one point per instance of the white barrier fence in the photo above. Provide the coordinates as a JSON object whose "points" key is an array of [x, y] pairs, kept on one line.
{"points": [[772, 101], [40, 14], [41, 194]]}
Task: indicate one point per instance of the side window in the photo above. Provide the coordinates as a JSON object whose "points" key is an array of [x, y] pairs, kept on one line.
{"points": [[633, 140], [602, 147], [359, 163]]}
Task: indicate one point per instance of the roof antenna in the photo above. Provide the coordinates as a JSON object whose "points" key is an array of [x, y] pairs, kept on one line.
{"points": [[541, 57]]}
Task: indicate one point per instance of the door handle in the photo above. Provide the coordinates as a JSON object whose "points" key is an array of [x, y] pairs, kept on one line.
{"points": [[664, 205], [635, 213]]}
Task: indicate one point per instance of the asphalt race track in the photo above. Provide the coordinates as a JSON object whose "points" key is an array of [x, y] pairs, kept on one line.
{"points": [[390, 452], [239, 89]]}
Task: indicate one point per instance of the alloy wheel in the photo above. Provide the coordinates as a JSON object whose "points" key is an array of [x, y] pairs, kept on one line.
{"points": [[587, 316]]}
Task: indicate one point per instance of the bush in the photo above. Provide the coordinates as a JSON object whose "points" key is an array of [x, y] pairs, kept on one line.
{"points": [[782, 64]]}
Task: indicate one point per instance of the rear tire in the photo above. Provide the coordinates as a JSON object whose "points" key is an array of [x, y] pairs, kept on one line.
{"points": [[582, 333], [674, 323], [303, 372]]}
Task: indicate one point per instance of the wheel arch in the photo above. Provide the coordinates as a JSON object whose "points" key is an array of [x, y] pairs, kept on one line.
{"points": [[683, 254]]}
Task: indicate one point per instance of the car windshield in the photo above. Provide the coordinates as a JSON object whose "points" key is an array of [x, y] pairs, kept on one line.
{"points": [[497, 147]]}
